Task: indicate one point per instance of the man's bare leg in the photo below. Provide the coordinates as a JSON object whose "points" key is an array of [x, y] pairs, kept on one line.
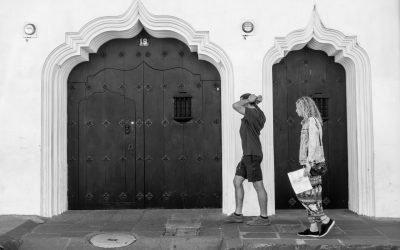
{"points": [[239, 193], [237, 216], [262, 197]]}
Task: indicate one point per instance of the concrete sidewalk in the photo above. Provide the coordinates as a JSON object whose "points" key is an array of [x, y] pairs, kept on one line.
{"points": [[13, 227], [205, 229]]}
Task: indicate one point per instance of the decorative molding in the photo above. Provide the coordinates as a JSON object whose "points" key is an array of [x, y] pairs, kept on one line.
{"points": [[76, 49], [348, 53]]}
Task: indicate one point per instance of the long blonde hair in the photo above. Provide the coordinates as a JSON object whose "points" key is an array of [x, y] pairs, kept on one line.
{"points": [[308, 108]]}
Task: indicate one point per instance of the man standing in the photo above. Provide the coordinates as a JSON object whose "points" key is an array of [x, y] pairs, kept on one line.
{"points": [[249, 167]]}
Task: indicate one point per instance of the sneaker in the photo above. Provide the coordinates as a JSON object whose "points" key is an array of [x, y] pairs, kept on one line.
{"points": [[325, 228], [259, 221], [307, 232], [233, 218]]}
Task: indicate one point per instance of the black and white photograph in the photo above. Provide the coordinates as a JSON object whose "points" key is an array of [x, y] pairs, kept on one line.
{"points": [[213, 124]]}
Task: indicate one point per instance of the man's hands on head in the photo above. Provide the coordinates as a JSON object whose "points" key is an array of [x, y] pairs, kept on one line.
{"points": [[255, 99], [240, 105], [252, 98]]}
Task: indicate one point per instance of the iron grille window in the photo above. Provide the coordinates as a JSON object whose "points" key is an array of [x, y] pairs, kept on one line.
{"points": [[322, 104], [182, 107]]}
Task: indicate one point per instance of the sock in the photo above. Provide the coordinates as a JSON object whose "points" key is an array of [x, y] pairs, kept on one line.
{"points": [[314, 227], [325, 220], [237, 214], [264, 217]]}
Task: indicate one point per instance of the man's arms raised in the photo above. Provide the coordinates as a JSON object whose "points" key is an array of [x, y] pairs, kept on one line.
{"points": [[240, 106]]}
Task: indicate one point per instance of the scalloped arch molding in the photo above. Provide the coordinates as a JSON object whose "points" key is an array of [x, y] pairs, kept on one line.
{"points": [[355, 60], [76, 49]]}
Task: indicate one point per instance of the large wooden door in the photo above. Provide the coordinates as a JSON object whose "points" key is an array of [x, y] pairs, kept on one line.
{"points": [[312, 73], [144, 127]]}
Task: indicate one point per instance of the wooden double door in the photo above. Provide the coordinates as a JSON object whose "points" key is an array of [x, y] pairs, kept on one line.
{"points": [[144, 118], [308, 72]]}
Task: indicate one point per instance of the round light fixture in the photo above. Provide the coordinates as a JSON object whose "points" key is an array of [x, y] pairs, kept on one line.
{"points": [[29, 29], [247, 27]]}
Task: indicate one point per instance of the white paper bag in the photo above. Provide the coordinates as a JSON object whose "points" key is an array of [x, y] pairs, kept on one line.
{"points": [[300, 183]]}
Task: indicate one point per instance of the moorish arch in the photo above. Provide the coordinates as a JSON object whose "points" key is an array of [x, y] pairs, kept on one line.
{"points": [[76, 49], [348, 53]]}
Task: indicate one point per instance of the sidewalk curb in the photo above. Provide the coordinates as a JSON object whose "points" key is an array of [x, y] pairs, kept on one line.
{"points": [[12, 239], [283, 246]]}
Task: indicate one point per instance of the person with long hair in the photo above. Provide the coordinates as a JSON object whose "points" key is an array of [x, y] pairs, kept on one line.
{"points": [[249, 167], [311, 157]]}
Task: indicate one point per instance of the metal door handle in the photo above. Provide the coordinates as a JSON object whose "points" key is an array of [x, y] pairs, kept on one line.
{"points": [[127, 129]]}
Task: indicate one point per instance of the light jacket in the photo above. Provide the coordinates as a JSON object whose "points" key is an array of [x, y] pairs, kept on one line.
{"points": [[311, 148]]}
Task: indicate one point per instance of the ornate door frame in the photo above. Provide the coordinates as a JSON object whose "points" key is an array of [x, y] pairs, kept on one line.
{"points": [[354, 59], [76, 49]]}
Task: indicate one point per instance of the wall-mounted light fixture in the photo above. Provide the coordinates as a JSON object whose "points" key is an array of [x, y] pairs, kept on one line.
{"points": [[29, 31], [247, 28]]}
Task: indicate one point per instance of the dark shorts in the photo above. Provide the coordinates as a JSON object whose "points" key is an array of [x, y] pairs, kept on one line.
{"points": [[249, 168]]}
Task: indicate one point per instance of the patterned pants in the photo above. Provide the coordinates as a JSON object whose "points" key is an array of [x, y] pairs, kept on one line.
{"points": [[312, 200]]}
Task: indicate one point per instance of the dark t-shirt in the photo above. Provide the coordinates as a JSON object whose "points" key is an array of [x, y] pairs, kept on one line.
{"points": [[252, 123]]}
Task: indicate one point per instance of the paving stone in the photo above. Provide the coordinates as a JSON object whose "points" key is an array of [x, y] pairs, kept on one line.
{"points": [[269, 244], [44, 244], [351, 226], [149, 233], [230, 230], [210, 231], [392, 232], [260, 235], [40, 235], [291, 236], [366, 242], [284, 221], [366, 233], [148, 243], [97, 217], [52, 228], [289, 228], [322, 243], [395, 242], [198, 243], [211, 223], [118, 226], [83, 227], [245, 228], [69, 217], [232, 244], [8, 223], [183, 227]]}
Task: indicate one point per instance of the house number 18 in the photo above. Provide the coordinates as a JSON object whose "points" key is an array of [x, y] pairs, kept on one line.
{"points": [[143, 42]]}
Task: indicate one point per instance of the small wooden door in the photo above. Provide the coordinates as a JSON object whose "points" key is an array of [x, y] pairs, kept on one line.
{"points": [[310, 73], [144, 127]]}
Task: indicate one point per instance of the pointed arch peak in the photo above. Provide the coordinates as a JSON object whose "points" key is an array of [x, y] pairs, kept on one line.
{"points": [[76, 48], [355, 60]]}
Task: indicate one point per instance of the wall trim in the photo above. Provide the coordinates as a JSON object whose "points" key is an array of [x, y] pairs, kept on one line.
{"points": [[354, 59], [76, 49]]}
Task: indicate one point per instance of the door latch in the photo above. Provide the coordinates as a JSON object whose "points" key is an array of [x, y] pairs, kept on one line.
{"points": [[127, 129]]}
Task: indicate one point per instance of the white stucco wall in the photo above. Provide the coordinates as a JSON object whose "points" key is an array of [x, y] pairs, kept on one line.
{"points": [[375, 23]]}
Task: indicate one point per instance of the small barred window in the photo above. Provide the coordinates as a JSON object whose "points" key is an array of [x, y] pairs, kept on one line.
{"points": [[322, 104], [182, 107]]}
